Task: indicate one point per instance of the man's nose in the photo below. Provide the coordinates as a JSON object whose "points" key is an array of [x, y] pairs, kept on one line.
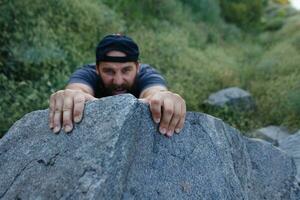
{"points": [[118, 79]]}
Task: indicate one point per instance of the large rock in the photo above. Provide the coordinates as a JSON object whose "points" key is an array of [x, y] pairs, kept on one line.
{"points": [[116, 152], [291, 145], [233, 98]]}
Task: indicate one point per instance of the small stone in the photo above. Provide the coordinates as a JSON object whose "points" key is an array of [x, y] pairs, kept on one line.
{"points": [[272, 134], [233, 98]]}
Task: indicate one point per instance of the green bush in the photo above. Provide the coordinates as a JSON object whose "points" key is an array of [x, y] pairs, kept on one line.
{"points": [[41, 44], [205, 10], [244, 13]]}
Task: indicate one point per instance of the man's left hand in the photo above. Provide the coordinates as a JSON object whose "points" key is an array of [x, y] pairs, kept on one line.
{"points": [[168, 109]]}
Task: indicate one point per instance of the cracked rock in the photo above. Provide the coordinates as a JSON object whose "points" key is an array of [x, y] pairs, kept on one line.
{"points": [[116, 152]]}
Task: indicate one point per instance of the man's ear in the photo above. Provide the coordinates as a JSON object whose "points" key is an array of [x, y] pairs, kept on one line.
{"points": [[137, 66], [98, 69]]}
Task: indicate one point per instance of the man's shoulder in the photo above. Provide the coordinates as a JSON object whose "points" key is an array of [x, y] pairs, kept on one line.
{"points": [[89, 66], [146, 68]]}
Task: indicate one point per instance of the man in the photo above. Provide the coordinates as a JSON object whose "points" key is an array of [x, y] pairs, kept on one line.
{"points": [[117, 71]]}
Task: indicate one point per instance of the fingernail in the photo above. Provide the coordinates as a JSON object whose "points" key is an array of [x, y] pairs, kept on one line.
{"points": [[68, 128], [177, 130], [56, 129], [170, 133], [157, 120], [77, 119], [162, 130]]}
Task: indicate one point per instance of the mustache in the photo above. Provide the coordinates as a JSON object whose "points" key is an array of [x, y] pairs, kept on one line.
{"points": [[118, 87]]}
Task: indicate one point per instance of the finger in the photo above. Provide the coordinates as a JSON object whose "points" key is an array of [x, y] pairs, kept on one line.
{"points": [[79, 101], [58, 112], [89, 97], [155, 108], [175, 119], [51, 110], [167, 111], [68, 113], [180, 124], [144, 100]]}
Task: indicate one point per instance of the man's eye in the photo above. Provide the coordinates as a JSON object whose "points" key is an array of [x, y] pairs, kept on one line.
{"points": [[126, 70], [109, 72]]}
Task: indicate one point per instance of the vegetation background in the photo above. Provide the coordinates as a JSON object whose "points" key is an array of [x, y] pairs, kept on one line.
{"points": [[200, 46]]}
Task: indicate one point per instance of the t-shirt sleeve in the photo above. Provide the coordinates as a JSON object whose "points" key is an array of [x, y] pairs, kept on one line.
{"points": [[86, 75], [148, 77]]}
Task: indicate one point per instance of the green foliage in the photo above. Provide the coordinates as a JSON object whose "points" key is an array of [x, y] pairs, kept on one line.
{"points": [[205, 10], [41, 44], [148, 12], [244, 13]]}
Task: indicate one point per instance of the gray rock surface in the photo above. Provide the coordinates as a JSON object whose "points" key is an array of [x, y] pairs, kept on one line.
{"points": [[291, 145], [234, 98], [116, 152], [272, 134]]}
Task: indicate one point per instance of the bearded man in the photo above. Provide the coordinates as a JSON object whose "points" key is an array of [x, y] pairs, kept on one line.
{"points": [[117, 71]]}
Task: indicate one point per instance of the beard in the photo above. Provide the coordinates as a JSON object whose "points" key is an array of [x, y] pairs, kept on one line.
{"points": [[118, 89], [113, 89]]}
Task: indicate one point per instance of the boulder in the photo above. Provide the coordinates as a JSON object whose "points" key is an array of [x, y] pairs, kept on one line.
{"points": [[233, 98], [291, 145], [116, 152], [271, 134]]}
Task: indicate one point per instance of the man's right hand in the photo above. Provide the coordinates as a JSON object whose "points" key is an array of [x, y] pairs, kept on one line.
{"points": [[66, 107]]}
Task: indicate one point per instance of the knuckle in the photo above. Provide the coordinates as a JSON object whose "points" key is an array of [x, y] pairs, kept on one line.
{"points": [[67, 108], [173, 124], [68, 92], [66, 121], [57, 110], [77, 113], [154, 101], [164, 125], [176, 117], [59, 92], [52, 96], [56, 123], [168, 111], [177, 95], [67, 105], [79, 99]]}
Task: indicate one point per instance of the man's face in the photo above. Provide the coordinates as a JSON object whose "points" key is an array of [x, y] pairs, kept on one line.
{"points": [[118, 78]]}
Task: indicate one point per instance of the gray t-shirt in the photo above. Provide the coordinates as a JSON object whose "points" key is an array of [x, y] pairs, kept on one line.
{"points": [[147, 76]]}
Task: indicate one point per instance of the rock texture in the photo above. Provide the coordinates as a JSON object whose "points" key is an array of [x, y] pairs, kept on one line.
{"points": [[116, 152], [233, 98], [291, 145]]}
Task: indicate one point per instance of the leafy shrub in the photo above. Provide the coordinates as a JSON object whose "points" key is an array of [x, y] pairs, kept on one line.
{"points": [[205, 10], [43, 42], [244, 13]]}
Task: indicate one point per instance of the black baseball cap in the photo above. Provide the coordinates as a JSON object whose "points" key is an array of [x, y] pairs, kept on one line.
{"points": [[117, 42]]}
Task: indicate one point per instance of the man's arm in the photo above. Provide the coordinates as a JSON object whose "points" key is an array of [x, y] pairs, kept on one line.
{"points": [[167, 108], [67, 106]]}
